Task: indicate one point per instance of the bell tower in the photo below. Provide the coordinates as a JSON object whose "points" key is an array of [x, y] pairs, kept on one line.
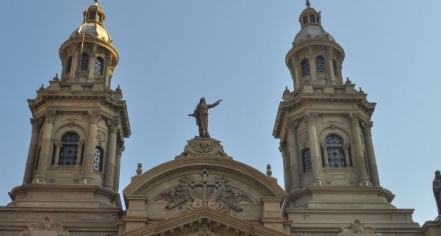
{"points": [[324, 124], [78, 123], [324, 128]]}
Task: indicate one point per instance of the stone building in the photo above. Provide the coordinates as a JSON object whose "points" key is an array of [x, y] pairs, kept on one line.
{"points": [[79, 123]]}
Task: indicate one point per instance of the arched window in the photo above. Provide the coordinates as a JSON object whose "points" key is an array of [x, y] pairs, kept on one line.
{"points": [[334, 64], [84, 63], [68, 64], [98, 159], [99, 66], [69, 149], [335, 151], [305, 68], [306, 158], [320, 64]]}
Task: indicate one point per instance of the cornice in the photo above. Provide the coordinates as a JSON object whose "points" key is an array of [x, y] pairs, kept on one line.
{"points": [[93, 40], [299, 99]]}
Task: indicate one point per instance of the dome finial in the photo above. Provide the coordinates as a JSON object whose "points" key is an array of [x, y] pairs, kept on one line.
{"points": [[308, 4], [95, 2]]}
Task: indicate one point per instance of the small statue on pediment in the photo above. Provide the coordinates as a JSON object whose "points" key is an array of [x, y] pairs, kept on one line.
{"points": [[437, 190]]}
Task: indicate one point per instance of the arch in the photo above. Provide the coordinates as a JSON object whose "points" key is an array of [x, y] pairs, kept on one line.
{"points": [[306, 160], [84, 62], [68, 65], [320, 64], [98, 159], [305, 67], [99, 66]]}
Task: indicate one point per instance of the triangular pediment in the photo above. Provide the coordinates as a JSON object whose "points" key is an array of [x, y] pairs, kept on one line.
{"points": [[204, 221]]}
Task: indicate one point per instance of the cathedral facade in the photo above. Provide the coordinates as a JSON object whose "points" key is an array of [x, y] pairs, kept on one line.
{"points": [[79, 124]]}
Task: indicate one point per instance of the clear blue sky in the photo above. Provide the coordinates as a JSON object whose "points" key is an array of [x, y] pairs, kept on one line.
{"points": [[174, 52]]}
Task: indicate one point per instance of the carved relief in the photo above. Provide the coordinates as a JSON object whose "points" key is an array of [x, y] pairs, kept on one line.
{"points": [[357, 229], [214, 192], [45, 228], [101, 137]]}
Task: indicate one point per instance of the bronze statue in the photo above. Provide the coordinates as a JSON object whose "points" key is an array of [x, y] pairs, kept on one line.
{"points": [[201, 116], [437, 190]]}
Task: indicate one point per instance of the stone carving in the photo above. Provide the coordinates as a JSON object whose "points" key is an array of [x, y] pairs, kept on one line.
{"points": [[204, 191], [200, 113], [357, 228], [203, 147], [45, 228], [437, 190], [204, 230]]}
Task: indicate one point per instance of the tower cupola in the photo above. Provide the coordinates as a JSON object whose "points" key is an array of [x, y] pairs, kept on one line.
{"points": [[315, 56], [88, 55]]}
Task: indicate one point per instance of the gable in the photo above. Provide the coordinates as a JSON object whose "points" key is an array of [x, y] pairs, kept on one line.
{"points": [[204, 221]]}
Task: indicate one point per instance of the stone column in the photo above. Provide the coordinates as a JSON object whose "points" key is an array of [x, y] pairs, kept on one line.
{"points": [[347, 156], [118, 166], [94, 119], [370, 153], [317, 166], [46, 143], [294, 167], [109, 175], [32, 153], [80, 153], [286, 172], [325, 154], [363, 179], [58, 146]]}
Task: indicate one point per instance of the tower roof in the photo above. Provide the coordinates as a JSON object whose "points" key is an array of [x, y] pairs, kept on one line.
{"points": [[93, 24], [310, 21]]}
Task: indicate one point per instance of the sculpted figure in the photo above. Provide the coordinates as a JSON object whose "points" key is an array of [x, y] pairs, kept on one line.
{"points": [[201, 116], [437, 190]]}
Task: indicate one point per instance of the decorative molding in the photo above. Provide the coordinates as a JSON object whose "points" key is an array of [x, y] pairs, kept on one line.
{"points": [[203, 147]]}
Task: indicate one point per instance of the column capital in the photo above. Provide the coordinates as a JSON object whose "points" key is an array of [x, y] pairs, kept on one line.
{"points": [[50, 116], [36, 124], [355, 119], [292, 125], [282, 147], [311, 118], [95, 116], [367, 125], [113, 125]]}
